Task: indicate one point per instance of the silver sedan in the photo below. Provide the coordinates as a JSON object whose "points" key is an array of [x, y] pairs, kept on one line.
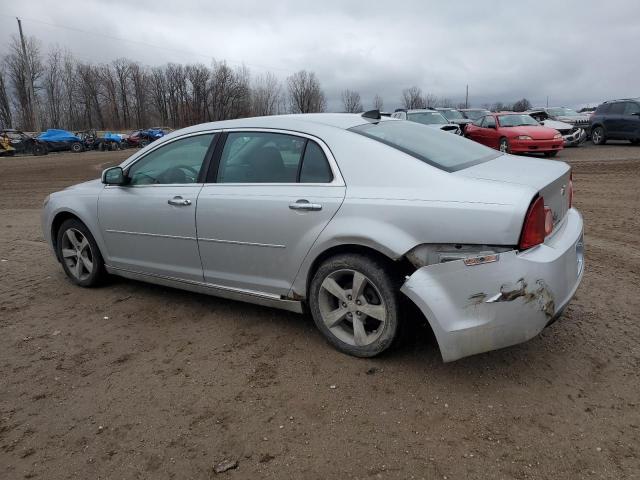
{"points": [[340, 214]]}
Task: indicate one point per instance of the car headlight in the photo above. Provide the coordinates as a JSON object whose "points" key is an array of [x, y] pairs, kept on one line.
{"points": [[523, 137], [557, 135]]}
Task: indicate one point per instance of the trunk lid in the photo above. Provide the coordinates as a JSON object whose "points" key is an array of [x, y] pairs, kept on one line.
{"points": [[549, 178]]}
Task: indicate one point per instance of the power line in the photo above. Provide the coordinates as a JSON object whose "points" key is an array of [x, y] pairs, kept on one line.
{"points": [[146, 44]]}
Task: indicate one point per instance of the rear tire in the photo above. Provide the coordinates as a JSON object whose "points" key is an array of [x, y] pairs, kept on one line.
{"points": [[79, 254], [39, 149], [354, 302], [598, 137]]}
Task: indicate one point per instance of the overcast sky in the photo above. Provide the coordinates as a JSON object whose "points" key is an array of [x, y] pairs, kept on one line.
{"points": [[576, 52]]}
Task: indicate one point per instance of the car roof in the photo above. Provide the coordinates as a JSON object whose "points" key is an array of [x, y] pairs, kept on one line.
{"points": [[311, 123], [636, 99]]}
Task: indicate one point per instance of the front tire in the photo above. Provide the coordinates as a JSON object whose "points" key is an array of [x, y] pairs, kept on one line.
{"points": [[598, 137], [79, 254], [503, 146], [76, 147], [354, 303]]}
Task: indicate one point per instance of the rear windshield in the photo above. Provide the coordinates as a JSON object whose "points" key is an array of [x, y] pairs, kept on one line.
{"points": [[443, 150], [428, 118], [452, 114], [517, 120]]}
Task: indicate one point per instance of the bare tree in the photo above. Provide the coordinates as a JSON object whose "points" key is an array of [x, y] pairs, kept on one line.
{"points": [[230, 92], [431, 100], [70, 86], [198, 76], [497, 107], [305, 93], [122, 71], [412, 98], [265, 95], [139, 84], [53, 88], [6, 120], [445, 103], [377, 102], [89, 77], [522, 105], [351, 101], [158, 94], [110, 93], [17, 68]]}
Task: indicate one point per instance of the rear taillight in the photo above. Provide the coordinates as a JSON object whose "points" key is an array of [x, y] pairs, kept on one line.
{"points": [[534, 231], [570, 190]]}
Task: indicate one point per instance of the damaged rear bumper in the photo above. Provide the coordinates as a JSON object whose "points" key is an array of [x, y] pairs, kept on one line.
{"points": [[475, 309]]}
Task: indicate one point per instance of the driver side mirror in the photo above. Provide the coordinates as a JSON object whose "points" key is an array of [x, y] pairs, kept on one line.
{"points": [[114, 176]]}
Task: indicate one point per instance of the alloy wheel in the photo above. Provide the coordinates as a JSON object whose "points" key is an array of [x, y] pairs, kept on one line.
{"points": [[352, 308], [77, 254], [504, 146], [597, 136]]}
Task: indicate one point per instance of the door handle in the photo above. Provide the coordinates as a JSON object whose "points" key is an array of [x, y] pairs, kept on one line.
{"points": [[178, 201], [305, 205]]}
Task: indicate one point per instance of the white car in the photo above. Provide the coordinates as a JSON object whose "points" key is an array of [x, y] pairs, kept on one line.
{"points": [[340, 214], [428, 117]]}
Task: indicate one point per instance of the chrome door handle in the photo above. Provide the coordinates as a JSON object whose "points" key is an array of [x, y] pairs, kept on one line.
{"points": [[305, 205], [178, 201]]}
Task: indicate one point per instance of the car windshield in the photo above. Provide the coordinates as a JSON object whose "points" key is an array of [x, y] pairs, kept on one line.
{"points": [[452, 114], [435, 147], [516, 120], [562, 112], [428, 118], [476, 114]]}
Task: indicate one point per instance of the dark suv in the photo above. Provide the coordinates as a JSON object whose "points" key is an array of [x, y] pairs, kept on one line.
{"points": [[616, 120]]}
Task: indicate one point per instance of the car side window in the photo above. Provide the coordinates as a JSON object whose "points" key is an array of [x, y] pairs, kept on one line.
{"points": [[478, 121], [179, 161], [489, 122], [315, 167], [616, 108], [260, 157], [631, 108]]}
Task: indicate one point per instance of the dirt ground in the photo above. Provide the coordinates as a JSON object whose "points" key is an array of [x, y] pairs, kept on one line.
{"points": [[137, 381]]}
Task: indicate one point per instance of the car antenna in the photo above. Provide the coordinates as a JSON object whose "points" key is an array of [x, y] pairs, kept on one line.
{"points": [[374, 114]]}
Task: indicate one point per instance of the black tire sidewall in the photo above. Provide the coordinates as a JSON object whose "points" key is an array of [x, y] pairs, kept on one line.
{"points": [[76, 147], [602, 137], [384, 282], [98, 273]]}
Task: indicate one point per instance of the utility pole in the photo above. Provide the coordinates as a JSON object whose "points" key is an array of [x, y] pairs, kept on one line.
{"points": [[33, 104], [547, 101], [466, 100]]}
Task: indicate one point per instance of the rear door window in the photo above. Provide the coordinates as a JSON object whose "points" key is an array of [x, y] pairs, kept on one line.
{"points": [[631, 108], [617, 108], [315, 167]]}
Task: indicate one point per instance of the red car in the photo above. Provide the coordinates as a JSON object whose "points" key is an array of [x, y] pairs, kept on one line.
{"points": [[515, 133]]}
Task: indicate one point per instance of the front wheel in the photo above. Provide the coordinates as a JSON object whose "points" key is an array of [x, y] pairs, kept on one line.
{"points": [[597, 136], [79, 254], [76, 147], [354, 303], [39, 149], [503, 146]]}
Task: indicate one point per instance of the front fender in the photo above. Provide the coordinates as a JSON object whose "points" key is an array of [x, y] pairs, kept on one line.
{"points": [[84, 207]]}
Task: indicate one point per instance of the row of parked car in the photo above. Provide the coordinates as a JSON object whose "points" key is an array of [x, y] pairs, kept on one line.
{"points": [[14, 142], [539, 130]]}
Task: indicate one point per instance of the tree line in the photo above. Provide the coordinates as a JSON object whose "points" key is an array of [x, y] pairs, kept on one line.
{"points": [[125, 94]]}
